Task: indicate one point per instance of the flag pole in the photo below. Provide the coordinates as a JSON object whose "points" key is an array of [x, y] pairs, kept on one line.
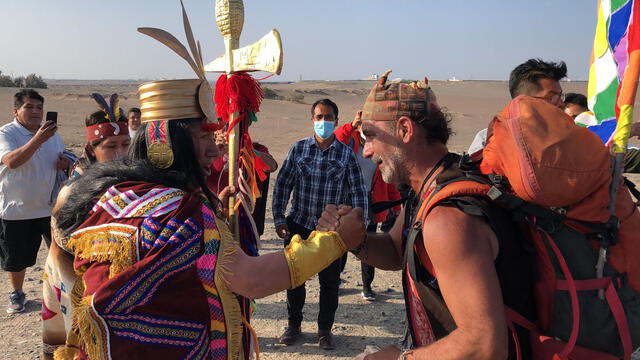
{"points": [[263, 55], [627, 63]]}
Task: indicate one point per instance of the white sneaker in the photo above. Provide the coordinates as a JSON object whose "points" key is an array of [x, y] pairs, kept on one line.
{"points": [[368, 295]]}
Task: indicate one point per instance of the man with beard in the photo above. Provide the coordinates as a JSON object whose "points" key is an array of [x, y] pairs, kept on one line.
{"points": [[406, 135]]}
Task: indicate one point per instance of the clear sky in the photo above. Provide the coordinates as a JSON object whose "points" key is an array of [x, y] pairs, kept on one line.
{"points": [[322, 40]]}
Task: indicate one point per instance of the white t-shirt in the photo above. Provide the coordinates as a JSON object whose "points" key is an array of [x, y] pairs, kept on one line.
{"points": [[132, 133], [25, 192]]}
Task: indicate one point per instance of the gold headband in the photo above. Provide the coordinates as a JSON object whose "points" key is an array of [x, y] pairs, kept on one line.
{"points": [[172, 99]]}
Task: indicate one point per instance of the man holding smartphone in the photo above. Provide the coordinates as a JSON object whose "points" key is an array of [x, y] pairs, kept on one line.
{"points": [[30, 156]]}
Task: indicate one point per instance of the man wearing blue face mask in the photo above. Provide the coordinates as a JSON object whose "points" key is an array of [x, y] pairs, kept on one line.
{"points": [[319, 170]]}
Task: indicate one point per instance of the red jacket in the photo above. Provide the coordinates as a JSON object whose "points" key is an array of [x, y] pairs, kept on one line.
{"points": [[380, 190]]}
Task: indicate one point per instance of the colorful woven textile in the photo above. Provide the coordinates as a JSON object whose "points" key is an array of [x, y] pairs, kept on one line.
{"points": [[147, 258], [613, 75]]}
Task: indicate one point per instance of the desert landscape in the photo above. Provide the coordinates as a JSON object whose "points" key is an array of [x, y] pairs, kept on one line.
{"points": [[359, 323]]}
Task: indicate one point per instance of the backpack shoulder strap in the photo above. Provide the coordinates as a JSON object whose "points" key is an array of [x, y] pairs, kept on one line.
{"points": [[452, 182], [455, 188], [459, 187], [467, 196]]}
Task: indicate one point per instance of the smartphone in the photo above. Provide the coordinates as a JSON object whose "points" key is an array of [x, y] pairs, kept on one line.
{"points": [[53, 116]]}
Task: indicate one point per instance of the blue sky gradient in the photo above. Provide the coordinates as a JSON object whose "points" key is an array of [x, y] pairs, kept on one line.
{"points": [[322, 40]]}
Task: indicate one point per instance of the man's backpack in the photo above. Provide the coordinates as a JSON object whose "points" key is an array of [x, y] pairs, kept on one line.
{"points": [[553, 178]]}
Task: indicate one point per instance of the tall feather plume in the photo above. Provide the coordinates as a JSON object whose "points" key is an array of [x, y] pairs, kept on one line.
{"points": [[200, 54], [114, 102], [190, 39], [174, 44], [102, 103]]}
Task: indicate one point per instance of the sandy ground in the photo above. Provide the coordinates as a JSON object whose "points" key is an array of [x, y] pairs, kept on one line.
{"points": [[358, 322]]}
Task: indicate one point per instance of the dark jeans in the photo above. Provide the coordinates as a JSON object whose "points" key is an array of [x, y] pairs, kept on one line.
{"points": [[329, 279], [261, 204], [343, 261], [368, 271]]}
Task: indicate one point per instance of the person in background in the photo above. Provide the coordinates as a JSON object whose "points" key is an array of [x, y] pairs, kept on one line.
{"points": [[575, 104], [318, 170], [108, 144], [260, 207], [31, 154], [133, 118], [535, 78], [378, 190], [106, 140], [218, 178]]}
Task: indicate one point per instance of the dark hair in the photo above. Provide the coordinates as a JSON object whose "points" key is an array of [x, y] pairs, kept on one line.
{"points": [[185, 162], [20, 96], [98, 117], [88, 188], [325, 102], [524, 78], [184, 173], [135, 110], [436, 125], [575, 98]]}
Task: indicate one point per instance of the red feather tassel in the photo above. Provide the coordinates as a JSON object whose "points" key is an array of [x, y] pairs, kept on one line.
{"points": [[240, 92]]}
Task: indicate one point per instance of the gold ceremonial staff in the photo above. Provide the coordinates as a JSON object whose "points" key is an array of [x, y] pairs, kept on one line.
{"points": [[263, 55]]}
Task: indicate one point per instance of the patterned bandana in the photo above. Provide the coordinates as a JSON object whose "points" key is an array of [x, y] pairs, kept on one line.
{"points": [[106, 130], [389, 102]]}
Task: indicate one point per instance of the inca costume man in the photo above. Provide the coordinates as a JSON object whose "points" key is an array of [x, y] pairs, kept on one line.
{"points": [[152, 246]]}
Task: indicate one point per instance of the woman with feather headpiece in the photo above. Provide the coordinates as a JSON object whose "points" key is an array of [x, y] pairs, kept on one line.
{"points": [[107, 134], [107, 139]]}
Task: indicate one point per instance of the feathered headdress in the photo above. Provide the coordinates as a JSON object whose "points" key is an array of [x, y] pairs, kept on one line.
{"points": [[162, 101], [112, 109], [112, 112]]}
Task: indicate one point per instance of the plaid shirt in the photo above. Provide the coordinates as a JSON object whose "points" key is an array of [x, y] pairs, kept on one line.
{"points": [[317, 178]]}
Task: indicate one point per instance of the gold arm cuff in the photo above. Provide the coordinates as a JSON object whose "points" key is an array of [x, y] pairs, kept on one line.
{"points": [[308, 257]]}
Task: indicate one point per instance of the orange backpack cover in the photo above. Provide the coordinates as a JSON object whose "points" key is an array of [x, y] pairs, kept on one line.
{"points": [[554, 163]]}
